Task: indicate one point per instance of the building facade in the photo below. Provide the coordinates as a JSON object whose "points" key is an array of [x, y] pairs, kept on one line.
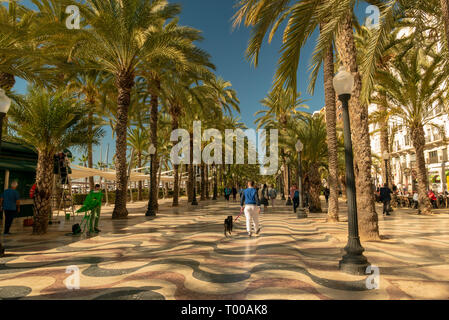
{"points": [[403, 157]]}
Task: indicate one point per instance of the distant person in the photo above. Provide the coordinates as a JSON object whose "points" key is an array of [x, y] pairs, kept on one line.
{"points": [[433, 198], [327, 192], [415, 199], [385, 197], [272, 194], [264, 200], [10, 204], [294, 196], [250, 203], [227, 193], [234, 193]]}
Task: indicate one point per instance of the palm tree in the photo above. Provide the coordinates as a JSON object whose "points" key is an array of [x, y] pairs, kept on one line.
{"points": [[280, 106], [19, 56], [88, 85], [138, 139], [121, 37], [415, 86], [312, 131], [263, 15], [49, 122]]}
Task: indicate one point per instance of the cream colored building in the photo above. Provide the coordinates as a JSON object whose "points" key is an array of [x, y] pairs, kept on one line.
{"points": [[403, 158]]}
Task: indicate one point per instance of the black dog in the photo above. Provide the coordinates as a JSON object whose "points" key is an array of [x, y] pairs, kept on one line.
{"points": [[228, 225]]}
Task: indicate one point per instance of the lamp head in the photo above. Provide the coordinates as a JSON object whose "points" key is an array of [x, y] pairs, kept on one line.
{"points": [[299, 146], [343, 82], [5, 102], [386, 156], [152, 150]]}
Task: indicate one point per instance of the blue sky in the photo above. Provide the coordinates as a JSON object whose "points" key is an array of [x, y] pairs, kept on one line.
{"points": [[227, 48]]}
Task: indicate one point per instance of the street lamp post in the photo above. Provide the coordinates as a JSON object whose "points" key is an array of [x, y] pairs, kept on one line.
{"points": [[194, 202], [150, 211], [353, 262], [5, 103], [215, 183], [289, 200], [282, 183], [301, 212]]}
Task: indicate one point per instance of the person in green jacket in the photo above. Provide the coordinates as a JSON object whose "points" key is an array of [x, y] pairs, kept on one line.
{"points": [[93, 204]]}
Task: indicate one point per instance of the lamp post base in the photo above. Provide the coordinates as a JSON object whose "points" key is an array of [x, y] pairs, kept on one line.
{"points": [[2, 251], [302, 214], [289, 202], [194, 202], [354, 262]]}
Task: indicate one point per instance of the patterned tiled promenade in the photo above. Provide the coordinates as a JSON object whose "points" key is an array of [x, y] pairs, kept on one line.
{"points": [[183, 254]]}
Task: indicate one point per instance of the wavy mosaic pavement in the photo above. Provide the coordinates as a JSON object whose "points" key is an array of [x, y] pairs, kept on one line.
{"points": [[183, 254]]}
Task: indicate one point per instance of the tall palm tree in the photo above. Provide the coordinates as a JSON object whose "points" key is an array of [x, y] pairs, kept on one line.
{"points": [[312, 131], [121, 37], [49, 122], [415, 85], [87, 84], [264, 15], [280, 107], [19, 54], [138, 139]]}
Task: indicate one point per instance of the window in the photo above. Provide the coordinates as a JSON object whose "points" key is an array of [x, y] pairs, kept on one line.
{"points": [[433, 157]]}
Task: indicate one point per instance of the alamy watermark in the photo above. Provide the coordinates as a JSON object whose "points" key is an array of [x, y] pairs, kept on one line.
{"points": [[373, 19], [73, 20], [73, 281], [373, 281]]}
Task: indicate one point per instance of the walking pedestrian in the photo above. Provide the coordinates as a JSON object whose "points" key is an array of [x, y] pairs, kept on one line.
{"points": [[250, 203], [227, 193], [385, 197], [10, 204], [272, 194], [234, 193], [294, 195], [415, 199], [327, 192]]}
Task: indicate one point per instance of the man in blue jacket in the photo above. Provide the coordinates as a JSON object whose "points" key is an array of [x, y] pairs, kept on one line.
{"points": [[250, 203], [9, 202]]}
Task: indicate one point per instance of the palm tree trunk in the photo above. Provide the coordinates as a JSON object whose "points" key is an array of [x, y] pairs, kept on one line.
{"points": [[153, 135], [418, 140], [90, 161], [124, 84], [314, 189], [7, 81], [139, 190], [159, 174], [190, 170], [175, 186], [203, 182], [174, 112], [331, 129], [207, 182], [385, 145], [44, 183], [368, 219]]}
